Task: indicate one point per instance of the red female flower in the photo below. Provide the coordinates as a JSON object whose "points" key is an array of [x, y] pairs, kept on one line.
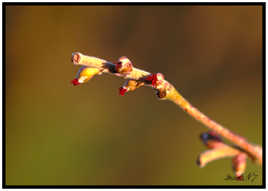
{"points": [[75, 82], [155, 79], [122, 91], [84, 74]]}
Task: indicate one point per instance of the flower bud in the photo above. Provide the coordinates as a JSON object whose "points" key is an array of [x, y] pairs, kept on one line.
{"points": [[123, 65], [130, 85], [84, 74], [239, 164]]}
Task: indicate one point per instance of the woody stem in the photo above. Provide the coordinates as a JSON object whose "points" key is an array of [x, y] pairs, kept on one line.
{"points": [[254, 151]]}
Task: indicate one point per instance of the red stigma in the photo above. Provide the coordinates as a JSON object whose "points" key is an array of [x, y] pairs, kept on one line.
{"points": [[75, 82], [149, 78], [152, 78], [154, 81], [122, 91]]}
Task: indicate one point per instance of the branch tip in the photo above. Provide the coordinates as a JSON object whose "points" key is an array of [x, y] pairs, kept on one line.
{"points": [[75, 82], [136, 78], [75, 57]]}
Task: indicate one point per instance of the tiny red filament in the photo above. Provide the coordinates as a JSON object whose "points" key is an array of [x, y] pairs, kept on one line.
{"points": [[149, 78], [75, 82], [154, 81], [122, 91], [152, 78]]}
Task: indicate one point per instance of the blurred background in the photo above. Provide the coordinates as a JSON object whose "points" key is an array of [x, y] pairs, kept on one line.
{"points": [[58, 134]]}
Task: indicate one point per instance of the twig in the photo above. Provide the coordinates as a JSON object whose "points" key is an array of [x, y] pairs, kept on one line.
{"points": [[254, 151], [214, 154], [218, 150], [165, 90]]}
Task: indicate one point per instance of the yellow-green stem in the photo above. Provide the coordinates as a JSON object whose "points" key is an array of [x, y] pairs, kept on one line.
{"points": [[254, 151]]}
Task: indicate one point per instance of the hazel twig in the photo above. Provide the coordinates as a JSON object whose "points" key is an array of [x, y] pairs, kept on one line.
{"points": [[218, 150], [165, 90], [254, 151], [215, 154]]}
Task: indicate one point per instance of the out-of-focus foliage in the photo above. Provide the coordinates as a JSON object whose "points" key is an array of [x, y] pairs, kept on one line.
{"points": [[57, 134]]}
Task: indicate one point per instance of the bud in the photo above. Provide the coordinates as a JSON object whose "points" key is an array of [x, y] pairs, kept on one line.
{"points": [[84, 74], [130, 85], [239, 164], [123, 65]]}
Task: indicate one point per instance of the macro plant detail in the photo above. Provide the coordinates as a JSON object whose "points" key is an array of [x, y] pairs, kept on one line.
{"points": [[240, 149], [218, 149]]}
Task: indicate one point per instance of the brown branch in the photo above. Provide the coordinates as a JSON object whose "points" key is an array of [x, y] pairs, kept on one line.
{"points": [[165, 90]]}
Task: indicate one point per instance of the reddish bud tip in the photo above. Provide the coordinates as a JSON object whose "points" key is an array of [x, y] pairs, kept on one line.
{"points": [[122, 91], [75, 58], [75, 82], [240, 178]]}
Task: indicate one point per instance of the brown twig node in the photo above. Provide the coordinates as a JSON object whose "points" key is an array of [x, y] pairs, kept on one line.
{"points": [[136, 78]]}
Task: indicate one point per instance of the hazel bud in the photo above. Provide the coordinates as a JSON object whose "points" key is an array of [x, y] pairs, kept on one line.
{"points": [[85, 74], [239, 164], [123, 65], [130, 85]]}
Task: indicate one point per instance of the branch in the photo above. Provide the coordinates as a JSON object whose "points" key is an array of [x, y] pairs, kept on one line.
{"points": [[136, 78], [218, 150]]}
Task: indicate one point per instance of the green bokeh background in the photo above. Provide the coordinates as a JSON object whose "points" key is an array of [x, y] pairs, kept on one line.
{"points": [[57, 134]]}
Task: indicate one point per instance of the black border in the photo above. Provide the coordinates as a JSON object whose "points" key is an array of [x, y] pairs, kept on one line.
{"points": [[135, 3], [264, 93], [4, 96], [5, 4]]}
